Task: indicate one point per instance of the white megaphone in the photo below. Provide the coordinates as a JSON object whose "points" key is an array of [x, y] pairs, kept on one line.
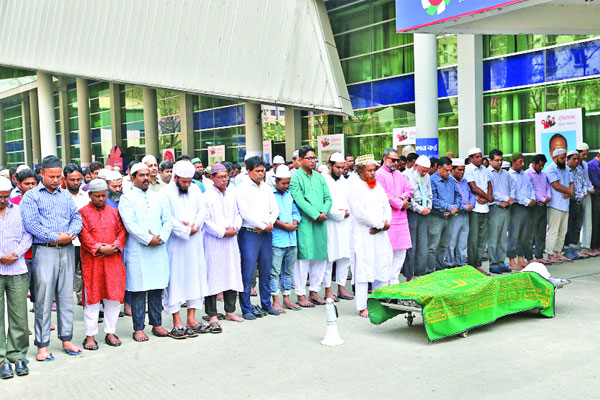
{"points": [[332, 336]]}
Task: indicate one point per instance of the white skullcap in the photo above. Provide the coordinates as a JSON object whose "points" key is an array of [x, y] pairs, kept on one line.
{"points": [[336, 157], [148, 157], [474, 151], [365, 159], [282, 172], [97, 185], [113, 176], [5, 185], [582, 146], [458, 162], [278, 160], [296, 153], [558, 152], [5, 173], [572, 153], [537, 267], [137, 167], [22, 167], [423, 161], [323, 168], [505, 164], [103, 173], [184, 169]]}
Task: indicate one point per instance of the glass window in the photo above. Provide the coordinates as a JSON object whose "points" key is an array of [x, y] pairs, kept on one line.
{"points": [[448, 112], [510, 137], [447, 50]]}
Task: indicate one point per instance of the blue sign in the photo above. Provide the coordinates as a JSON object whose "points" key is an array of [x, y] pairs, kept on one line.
{"points": [[413, 14], [428, 147]]}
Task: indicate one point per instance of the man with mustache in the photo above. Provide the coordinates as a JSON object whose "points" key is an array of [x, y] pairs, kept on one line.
{"points": [[147, 219], [114, 181]]}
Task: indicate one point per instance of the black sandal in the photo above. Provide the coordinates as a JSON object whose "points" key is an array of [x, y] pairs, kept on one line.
{"points": [[177, 333], [155, 333], [92, 348], [215, 327], [108, 342]]}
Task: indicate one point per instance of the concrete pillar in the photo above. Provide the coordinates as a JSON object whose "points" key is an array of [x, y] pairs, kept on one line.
{"points": [[115, 113], [2, 138], [83, 116], [46, 113], [253, 115], [34, 115], [63, 107], [186, 108], [426, 90], [26, 118], [151, 122], [470, 93], [293, 131]]}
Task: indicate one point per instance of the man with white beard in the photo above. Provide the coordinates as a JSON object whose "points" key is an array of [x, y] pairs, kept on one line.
{"points": [[371, 216], [338, 228]]}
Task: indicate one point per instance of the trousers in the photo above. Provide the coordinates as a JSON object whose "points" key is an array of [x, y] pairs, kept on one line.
{"points": [[456, 252], [557, 229], [478, 234], [13, 290], [361, 292], [586, 236], [282, 270], [439, 229], [138, 308], [312, 269], [256, 253], [576, 213], [174, 308], [397, 265], [416, 257], [77, 280], [111, 316], [341, 272], [210, 303], [498, 235], [537, 237], [519, 232]]}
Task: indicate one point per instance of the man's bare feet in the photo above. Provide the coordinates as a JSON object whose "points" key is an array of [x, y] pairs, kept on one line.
{"points": [[364, 313], [329, 294], [42, 354], [127, 309], [160, 330], [90, 343], [253, 292], [111, 337], [521, 261], [232, 317], [276, 305], [513, 264], [315, 298], [342, 292], [68, 345], [303, 302], [140, 336], [289, 305]]}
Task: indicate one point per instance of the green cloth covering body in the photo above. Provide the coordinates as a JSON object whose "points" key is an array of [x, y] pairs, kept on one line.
{"points": [[459, 299], [312, 198]]}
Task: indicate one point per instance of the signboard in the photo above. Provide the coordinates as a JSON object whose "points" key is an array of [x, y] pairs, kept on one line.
{"points": [[428, 147], [558, 129], [268, 151], [115, 158], [168, 155], [216, 154], [404, 136], [329, 144], [414, 14]]}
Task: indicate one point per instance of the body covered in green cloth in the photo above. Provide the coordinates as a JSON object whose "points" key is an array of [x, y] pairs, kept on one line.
{"points": [[457, 300], [312, 197]]}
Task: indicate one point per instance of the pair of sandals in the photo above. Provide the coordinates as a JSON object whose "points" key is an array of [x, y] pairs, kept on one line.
{"points": [[106, 340], [183, 332]]}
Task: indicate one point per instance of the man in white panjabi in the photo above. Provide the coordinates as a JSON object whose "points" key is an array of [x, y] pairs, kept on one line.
{"points": [[187, 281], [338, 228], [371, 247]]}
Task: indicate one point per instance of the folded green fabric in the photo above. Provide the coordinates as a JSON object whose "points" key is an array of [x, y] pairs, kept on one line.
{"points": [[459, 299]]}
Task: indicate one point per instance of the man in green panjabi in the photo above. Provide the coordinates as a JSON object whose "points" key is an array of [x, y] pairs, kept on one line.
{"points": [[311, 194]]}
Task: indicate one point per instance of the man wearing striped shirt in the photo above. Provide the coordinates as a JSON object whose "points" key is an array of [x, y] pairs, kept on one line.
{"points": [[50, 215]]}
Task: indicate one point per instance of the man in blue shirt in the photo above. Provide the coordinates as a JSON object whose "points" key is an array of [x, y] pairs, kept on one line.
{"points": [[519, 230], [594, 172], [445, 200], [50, 215], [561, 186], [284, 241], [456, 254], [586, 235], [504, 195]]}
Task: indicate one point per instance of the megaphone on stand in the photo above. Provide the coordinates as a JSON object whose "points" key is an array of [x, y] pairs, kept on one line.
{"points": [[332, 336]]}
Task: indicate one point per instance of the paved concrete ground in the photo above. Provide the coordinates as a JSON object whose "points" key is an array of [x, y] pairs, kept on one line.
{"points": [[519, 357]]}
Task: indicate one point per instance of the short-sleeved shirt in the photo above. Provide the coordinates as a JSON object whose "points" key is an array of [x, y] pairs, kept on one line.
{"points": [[562, 176], [480, 176]]}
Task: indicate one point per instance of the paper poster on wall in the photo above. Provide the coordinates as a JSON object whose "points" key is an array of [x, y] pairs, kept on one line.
{"points": [[168, 155], [216, 154], [268, 151], [329, 144], [404, 136], [116, 158], [427, 147], [558, 129]]}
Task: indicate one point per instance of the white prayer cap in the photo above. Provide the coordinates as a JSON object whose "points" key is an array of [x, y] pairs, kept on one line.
{"points": [[474, 151], [97, 185], [282, 172], [149, 157], [537, 267], [5, 173], [184, 169], [582, 146], [137, 167], [103, 173], [423, 161], [558, 152], [5, 185], [336, 157], [505, 164], [296, 153], [113, 176], [365, 159], [408, 149], [323, 168], [22, 167], [278, 160], [572, 153], [458, 162]]}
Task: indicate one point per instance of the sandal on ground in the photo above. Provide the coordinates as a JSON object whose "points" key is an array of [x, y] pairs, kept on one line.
{"points": [[155, 333], [215, 327], [200, 328], [177, 333], [189, 332], [108, 342], [90, 348]]}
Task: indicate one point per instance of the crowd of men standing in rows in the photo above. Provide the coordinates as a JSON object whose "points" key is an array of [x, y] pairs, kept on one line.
{"points": [[168, 236]]}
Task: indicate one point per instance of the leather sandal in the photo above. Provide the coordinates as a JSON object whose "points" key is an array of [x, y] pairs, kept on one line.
{"points": [[215, 327], [177, 333]]}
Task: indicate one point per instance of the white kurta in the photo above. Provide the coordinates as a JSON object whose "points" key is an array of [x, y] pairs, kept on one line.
{"points": [[222, 254], [372, 254], [186, 253], [338, 227]]}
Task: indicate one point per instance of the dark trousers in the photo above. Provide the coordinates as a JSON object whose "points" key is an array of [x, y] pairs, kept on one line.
{"points": [[478, 235], [256, 253], [519, 232], [439, 231], [416, 257], [138, 308], [210, 303], [595, 244], [29, 263], [575, 222], [537, 238]]}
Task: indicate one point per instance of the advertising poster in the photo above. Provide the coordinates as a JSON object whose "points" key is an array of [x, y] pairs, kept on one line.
{"points": [[427, 147], [268, 151], [558, 129], [216, 154], [329, 144], [168, 155], [115, 158], [404, 137]]}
